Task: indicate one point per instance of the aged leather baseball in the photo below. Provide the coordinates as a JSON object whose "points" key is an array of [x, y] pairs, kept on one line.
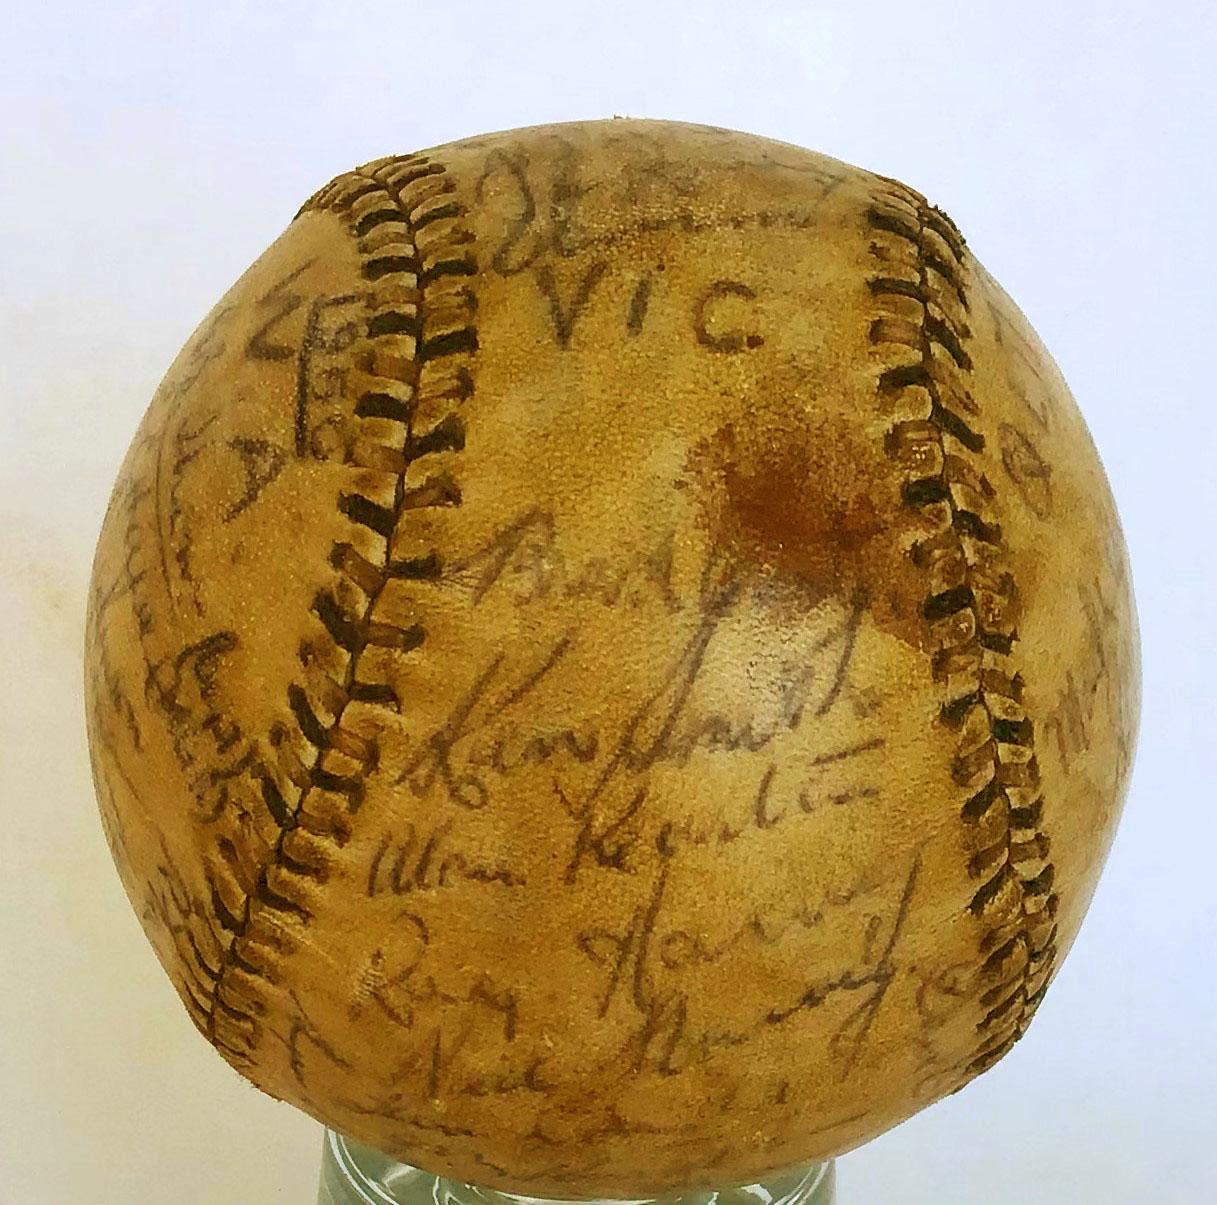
{"points": [[611, 663]]}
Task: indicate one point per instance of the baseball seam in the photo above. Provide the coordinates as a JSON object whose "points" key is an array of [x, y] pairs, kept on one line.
{"points": [[971, 609], [408, 367]]}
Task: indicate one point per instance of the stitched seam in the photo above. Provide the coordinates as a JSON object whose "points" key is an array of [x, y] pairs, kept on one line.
{"points": [[971, 610], [414, 255]]}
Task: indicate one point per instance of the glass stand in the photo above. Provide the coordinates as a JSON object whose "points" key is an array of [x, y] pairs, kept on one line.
{"points": [[356, 1175]]}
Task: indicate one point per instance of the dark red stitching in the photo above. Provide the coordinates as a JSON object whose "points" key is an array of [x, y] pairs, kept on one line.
{"points": [[1009, 1002], [353, 631]]}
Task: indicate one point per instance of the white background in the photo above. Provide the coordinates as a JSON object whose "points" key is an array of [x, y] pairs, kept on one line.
{"points": [[151, 150]]}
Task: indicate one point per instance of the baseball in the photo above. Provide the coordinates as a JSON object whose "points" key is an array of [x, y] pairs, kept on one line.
{"points": [[611, 663]]}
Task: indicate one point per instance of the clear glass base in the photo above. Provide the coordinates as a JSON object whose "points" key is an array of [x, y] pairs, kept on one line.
{"points": [[356, 1175]]}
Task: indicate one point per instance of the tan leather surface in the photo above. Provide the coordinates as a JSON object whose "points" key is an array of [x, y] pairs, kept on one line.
{"points": [[611, 664]]}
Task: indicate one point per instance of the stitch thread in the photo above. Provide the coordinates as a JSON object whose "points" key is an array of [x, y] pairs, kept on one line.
{"points": [[971, 607], [401, 212]]}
